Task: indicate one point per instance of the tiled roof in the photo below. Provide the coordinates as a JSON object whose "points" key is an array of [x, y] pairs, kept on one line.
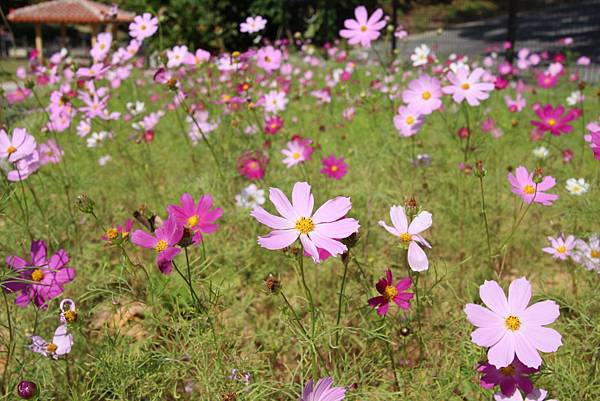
{"points": [[68, 12]]}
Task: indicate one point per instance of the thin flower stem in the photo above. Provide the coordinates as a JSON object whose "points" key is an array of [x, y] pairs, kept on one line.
{"points": [[467, 145], [345, 261], [312, 311], [390, 354], [485, 220], [199, 306], [10, 345]]}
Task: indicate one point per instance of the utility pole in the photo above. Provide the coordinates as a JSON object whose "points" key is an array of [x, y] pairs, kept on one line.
{"points": [[511, 37]]}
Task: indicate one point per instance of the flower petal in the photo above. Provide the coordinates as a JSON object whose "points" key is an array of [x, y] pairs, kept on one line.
{"points": [[502, 353], [519, 295], [541, 313], [332, 210], [420, 223], [493, 297], [278, 239], [302, 200], [417, 259], [270, 220]]}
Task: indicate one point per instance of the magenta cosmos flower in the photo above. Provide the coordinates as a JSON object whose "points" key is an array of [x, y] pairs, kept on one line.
{"points": [[364, 29], [321, 229], [423, 94], [390, 292], [334, 168], [21, 145], [523, 185], [323, 391], [509, 378], [467, 86], [553, 120], [163, 241], [143, 26], [198, 218], [409, 235], [560, 247], [41, 278], [252, 165], [510, 328], [273, 125]]}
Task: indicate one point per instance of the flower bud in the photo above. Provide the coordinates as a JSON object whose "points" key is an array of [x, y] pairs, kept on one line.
{"points": [[272, 284], [26, 389], [85, 204]]}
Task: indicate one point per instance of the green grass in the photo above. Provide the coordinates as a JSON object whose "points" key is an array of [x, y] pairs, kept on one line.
{"points": [[167, 344]]}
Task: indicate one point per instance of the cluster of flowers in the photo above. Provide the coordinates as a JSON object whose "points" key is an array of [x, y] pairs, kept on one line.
{"points": [[584, 253]]}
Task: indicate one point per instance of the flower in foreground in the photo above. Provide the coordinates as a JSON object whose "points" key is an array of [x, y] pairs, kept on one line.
{"points": [[467, 86], [408, 121], [334, 168], [409, 235], [41, 278], [560, 247], [509, 378], [322, 391], [197, 218], [523, 184], [61, 343], [364, 29], [423, 94], [512, 328], [390, 292], [143, 26], [321, 229], [21, 145], [163, 242], [535, 395]]}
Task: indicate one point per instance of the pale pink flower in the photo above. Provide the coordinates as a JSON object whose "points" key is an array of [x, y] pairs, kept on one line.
{"points": [[467, 86], [364, 29], [560, 247]]}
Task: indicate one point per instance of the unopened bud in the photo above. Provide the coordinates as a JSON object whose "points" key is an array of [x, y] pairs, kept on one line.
{"points": [[85, 204]]}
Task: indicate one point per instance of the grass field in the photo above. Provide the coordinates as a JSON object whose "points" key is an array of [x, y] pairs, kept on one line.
{"points": [[140, 334]]}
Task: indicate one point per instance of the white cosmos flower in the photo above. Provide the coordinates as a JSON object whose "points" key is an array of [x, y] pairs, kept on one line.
{"points": [[577, 186]]}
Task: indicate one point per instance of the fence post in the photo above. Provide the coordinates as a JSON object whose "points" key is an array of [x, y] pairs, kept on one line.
{"points": [[511, 34]]}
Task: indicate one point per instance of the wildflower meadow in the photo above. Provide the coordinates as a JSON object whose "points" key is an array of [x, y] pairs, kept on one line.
{"points": [[300, 222]]}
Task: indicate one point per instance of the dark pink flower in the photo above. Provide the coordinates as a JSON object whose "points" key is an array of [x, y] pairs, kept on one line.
{"points": [[334, 168], [198, 218], [390, 292], [508, 378], [546, 80], [39, 279], [163, 241], [273, 125], [252, 165], [554, 119]]}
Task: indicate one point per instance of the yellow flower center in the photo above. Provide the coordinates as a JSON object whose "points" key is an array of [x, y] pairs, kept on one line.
{"points": [[193, 220], [465, 86], [11, 150], [552, 122], [405, 237], [529, 190], [334, 168], [112, 233], [507, 371], [143, 27], [595, 254], [125, 234], [390, 292], [273, 125], [70, 316], [253, 165], [37, 275], [305, 225], [561, 249], [102, 46], [52, 347], [226, 98], [410, 120], [296, 155], [512, 323], [267, 59], [426, 95], [161, 245], [363, 28]]}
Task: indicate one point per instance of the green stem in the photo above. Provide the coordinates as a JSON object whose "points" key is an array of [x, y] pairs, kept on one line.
{"points": [[345, 261], [10, 344], [312, 312], [485, 220]]}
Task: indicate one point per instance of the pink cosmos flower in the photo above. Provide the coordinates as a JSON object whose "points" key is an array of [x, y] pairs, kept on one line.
{"points": [[467, 86], [560, 248], [553, 120], [163, 241], [143, 26], [252, 165], [177, 56], [273, 125], [334, 168], [24, 167], [323, 391], [547, 80], [390, 292], [61, 343], [408, 122], [40, 279], [49, 152], [21, 145], [509, 378], [409, 235], [297, 151], [523, 185], [516, 105], [321, 229], [595, 139], [510, 328], [253, 24], [199, 219], [364, 29], [268, 58], [423, 94]]}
